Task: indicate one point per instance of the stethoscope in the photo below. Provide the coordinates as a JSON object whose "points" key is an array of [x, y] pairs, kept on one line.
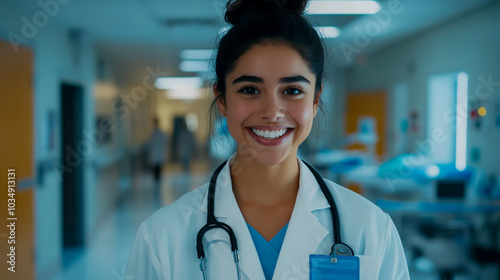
{"points": [[338, 248]]}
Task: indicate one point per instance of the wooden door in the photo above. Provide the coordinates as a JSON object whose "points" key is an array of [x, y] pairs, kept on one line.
{"points": [[372, 104], [16, 154]]}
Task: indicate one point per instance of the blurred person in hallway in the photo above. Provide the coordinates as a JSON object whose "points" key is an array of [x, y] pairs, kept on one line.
{"points": [[187, 146], [157, 152]]}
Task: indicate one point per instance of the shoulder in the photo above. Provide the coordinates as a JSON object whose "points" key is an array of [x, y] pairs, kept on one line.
{"points": [[364, 225], [370, 232], [161, 239], [178, 216], [352, 204]]}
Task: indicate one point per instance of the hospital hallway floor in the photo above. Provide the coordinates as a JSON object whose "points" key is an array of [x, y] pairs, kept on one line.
{"points": [[106, 255]]}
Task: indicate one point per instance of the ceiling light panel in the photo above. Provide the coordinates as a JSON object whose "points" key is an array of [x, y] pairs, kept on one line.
{"points": [[196, 54], [343, 7], [178, 82]]}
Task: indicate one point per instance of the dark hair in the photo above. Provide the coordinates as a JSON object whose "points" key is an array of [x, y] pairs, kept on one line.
{"points": [[260, 21]]}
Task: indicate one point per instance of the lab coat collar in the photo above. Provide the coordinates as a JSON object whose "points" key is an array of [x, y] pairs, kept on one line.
{"points": [[304, 233], [224, 197], [308, 188]]}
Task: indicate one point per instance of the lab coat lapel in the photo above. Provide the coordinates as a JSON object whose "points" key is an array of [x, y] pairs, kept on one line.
{"points": [[305, 233], [220, 259]]}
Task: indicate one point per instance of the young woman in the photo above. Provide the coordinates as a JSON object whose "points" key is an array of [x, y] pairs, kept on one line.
{"points": [[266, 213]]}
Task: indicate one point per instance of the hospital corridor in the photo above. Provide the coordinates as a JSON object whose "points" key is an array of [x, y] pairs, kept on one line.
{"points": [[135, 134]]}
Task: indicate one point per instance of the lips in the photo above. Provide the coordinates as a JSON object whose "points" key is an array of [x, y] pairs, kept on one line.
{"points": [[270, 136]]}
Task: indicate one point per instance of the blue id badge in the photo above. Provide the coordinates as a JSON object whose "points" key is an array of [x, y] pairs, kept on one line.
{"points": [[329, 267]]}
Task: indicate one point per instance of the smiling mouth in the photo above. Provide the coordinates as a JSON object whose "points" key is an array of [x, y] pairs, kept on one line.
{"points": [[270, 134]]}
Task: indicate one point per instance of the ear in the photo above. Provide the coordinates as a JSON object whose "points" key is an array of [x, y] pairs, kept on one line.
{"points": [[221, 106], [316, 101]]}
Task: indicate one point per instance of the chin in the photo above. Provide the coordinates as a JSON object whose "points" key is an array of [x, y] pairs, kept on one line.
{"points": [[270, 158]]}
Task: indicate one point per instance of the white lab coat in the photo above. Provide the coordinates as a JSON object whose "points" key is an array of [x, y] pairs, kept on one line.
{"points": [[165, 245]]}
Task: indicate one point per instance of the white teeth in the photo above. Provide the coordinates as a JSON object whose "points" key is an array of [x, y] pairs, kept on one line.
{"points": [[269, 134]]}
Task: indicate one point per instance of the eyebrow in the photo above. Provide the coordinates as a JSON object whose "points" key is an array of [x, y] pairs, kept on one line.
{"points": [[294, 79], [246, 78], [255, 79]]}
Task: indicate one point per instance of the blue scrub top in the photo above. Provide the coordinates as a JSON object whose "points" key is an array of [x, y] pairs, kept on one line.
{"points": [[268, 251]]}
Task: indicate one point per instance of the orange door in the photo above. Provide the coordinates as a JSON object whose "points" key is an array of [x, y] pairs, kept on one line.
{"points": [[16, 154], [372, 104]]}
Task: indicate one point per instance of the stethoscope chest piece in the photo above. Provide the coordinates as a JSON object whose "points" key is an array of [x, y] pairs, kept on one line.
{"points": [[342, 249]]}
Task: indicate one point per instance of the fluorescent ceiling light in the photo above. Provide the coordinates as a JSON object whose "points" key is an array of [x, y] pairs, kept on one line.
{"points": [[196, 54], [178, 82], [185, 94], [327, 31], [194, 66], [343, 7]]}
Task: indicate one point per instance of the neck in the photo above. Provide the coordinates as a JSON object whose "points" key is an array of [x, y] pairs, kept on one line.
{"points": [[265, 185]]}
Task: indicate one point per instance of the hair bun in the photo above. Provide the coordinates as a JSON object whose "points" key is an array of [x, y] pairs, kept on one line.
{"points": [[240, 9]]}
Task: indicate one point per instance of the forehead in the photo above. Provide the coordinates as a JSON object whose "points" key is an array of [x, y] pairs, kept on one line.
{"points": [[271, 61]]}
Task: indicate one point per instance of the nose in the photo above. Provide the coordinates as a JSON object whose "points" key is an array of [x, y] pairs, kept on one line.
{"points": [[272, 108]]}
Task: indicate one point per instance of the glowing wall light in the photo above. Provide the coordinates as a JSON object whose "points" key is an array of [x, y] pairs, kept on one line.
{"points": [[461, 123], [481, 111]]}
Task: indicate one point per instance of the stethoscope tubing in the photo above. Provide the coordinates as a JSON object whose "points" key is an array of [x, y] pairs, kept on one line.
{"points": [[337, 238], [212, 223]]}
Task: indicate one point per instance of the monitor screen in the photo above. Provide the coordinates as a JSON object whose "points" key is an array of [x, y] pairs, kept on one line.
{"points": [[450, 189]]}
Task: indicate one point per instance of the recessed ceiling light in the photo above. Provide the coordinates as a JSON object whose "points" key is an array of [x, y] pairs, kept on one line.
{"points": [[189, 94], [194, 66], [204, 54], [178, 82], [343, 7]]}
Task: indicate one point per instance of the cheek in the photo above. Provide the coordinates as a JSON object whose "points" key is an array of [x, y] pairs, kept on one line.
{"points": [[303, 114], [237, 113]]}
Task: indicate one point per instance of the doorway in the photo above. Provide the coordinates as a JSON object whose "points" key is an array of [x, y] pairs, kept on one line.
{"points": [[72, 181], [17, 154], [372, 105]]}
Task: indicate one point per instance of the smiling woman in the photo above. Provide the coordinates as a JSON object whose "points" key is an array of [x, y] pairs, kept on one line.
{"points": [[265, 204], [270, 93]]}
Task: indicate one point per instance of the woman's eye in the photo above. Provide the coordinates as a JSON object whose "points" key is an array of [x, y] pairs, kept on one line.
{"points": [[292, 91], [249, 90]]}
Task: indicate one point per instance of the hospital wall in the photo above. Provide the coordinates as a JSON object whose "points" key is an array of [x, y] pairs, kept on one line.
{"points": [[467, 44], [52, 64], [128, 97], [56, 60], [331, 120]]}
